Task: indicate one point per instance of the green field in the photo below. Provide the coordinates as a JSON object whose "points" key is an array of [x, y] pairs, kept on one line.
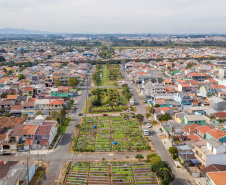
{"points": [[126, 132]]}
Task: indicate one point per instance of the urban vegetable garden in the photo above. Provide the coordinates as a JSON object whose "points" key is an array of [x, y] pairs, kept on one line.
{"points": [[104, 134], [110, 173]]}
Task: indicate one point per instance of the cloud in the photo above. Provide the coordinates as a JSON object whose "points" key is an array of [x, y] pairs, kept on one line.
{"points": [[115, 16]]}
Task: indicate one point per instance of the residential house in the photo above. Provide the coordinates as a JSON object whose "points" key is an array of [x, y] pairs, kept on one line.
{"points": [[213, 152], [217, 103], [207, 90], [189, 129], [199, 76], [168, 82], [216, 178], [183, 87], [179, 117], [29, 108], [7, 104], [183, 98], [43, 105], [56, 104], [190, 119], [202, 130], [63, 91], [28, 91], [217, 134]]}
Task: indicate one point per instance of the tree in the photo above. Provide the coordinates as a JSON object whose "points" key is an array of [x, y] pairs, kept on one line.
{"points": [[61, 116], [139, 156], [53, 114], [11, 93], [164, 117], [165, 175], [149, 156], [73, 82], [157, 105], [155, 159], [38, 113], [25, 115], [20, 76], [10, 72], [2, 111], [7, 115], [57, 82], [3, 95], [158, 165], [139, 118], [173, 150], [2, 59]]}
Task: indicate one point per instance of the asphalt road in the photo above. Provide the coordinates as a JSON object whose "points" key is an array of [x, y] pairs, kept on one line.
{"points": [[61, 154], [180, 179]]}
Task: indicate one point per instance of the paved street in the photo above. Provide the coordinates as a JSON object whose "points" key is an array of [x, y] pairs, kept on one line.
{"points": [[181, 179]]}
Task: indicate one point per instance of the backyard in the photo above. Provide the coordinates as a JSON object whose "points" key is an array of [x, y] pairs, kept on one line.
{"points": [[110, 173], [105, 134]]}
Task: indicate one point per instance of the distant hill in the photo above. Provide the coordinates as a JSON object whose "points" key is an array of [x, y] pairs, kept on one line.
{"points": [[21, 31]]}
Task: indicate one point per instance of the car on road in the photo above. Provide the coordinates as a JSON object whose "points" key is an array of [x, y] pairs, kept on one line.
{"points": [[75, 107], [80, 114], [149, 125], [105, 114]]}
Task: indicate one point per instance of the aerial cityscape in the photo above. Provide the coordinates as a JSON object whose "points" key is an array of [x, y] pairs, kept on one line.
{"points": [[112, 92]]}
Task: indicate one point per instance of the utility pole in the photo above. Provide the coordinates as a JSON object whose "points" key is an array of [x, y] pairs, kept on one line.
{"points": [[27, 172]]}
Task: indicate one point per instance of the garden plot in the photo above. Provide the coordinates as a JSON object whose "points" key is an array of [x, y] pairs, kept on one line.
{"points": [[105, 134], [112, 173]]}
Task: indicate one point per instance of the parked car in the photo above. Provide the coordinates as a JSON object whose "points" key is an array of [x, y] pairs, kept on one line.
{"points": [[105, 114], [80, 114], [75, 108], [149, 125]]}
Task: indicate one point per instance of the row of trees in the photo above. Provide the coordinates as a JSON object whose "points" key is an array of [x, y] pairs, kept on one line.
{"points": [[72, 82]]}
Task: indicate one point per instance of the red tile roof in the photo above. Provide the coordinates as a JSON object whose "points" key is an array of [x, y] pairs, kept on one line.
{"points": [[28, 141], [164, 109], [12, 97], [219, 178], [28, 88], [28, 129], [16, 107], [56, 102], [217, 134], [221, 115], [185, 85], [192, 128], [204, 129], [44, 142], [194, 137]]}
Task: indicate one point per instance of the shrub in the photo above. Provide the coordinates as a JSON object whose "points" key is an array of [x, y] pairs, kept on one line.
{"points": [[173, 150], [139, 156], [149, 156], [164, 117], [158, 165], [155, 159]]}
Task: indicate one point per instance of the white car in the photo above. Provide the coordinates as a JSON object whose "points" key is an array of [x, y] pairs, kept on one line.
{"points": [[149, 125]]}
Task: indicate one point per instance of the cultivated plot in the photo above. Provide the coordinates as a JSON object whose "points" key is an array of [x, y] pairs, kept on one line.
{"points": [[110, 173], [105, 134]]}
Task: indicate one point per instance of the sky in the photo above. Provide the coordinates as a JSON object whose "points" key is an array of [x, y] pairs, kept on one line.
{"points": [[115, 16]]}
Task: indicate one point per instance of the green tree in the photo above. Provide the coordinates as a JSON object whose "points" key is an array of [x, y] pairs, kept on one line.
{"points": [[157, 105], [38, 113], [139, 156], [165, 175], [3, 95], [53, 114], [10, 72], [7, 115], [57, 82], [158, 165], [2, 111], [164, 117], [73, 82], [11, 93], [149, 156], [173, 150], [61, 116], [2, 59], [139, 118], [25, 115], [20, 76]]}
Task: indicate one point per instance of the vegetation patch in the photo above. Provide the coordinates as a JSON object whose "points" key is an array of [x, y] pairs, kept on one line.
{"points": [[104, 134], [110, 173]]}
